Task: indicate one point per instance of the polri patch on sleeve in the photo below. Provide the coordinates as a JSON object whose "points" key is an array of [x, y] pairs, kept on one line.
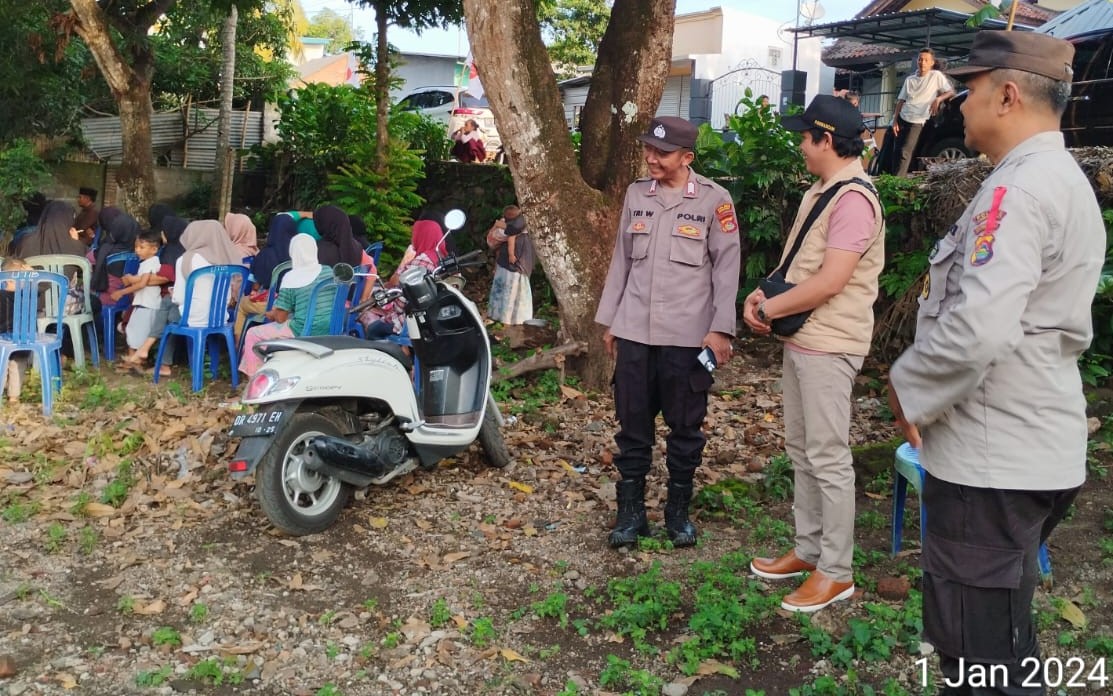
{"points": [[985, 226], [727, 221]]}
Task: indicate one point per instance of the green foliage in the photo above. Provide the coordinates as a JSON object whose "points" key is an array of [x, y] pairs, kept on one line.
{"points": [[215, 672], [116, 492], [383, 199], [154, 677], [22, 173], [42, 87], [18, 509], [1100, 645], [620, 674], [440, 614], [422, 134], [572, 30], [319, 128], [778, 481], [483, 632], [327, 24], [55, 537], [870, 639], [764, 172], [728, 609], [188, 61], [641, 603], [731, 499], [166, 635], [554, 606]]}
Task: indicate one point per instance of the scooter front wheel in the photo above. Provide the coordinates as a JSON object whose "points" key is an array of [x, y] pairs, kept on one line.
{"points": [[490, 438], [296, 499]]}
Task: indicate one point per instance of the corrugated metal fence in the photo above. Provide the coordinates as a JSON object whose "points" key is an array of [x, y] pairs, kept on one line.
{"points": [[182, 138]]}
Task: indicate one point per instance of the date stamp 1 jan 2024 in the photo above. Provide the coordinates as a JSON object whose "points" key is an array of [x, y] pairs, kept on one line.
{"points": [[1053, 672]]}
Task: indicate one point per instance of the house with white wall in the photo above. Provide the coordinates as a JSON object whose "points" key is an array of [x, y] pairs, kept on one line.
{"points": [[716, 55]]}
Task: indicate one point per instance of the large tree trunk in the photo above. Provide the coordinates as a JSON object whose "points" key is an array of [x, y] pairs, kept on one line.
{"points": [[131, 87], [382, 84], [224, 160], [572, 220]]}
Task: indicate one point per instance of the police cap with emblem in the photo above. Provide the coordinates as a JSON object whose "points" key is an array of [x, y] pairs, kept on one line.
{"points": [[827, 113], [1019, 50], [670, 133]]}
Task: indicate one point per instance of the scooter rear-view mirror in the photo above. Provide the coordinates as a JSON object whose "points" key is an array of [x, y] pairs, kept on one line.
{"points": [[343, 272], [454, 219]]}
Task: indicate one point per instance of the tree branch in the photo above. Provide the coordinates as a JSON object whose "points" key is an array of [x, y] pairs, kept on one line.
{"points": [[545, 360]]}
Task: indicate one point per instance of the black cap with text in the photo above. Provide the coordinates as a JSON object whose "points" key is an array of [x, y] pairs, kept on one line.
{"points": [[832, 114]]}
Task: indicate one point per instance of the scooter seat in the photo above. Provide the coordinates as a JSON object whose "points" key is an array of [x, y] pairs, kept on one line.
{"points": [[352, 343]]}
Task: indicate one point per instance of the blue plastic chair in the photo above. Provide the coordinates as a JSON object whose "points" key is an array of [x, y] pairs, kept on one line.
{"points": [[207, 336], [354, 328], [272, 292], [109, 313], [375, 250], [25, 335], [907, 470], [338, 319]]}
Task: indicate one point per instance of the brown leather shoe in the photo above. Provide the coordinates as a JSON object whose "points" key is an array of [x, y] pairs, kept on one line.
{"points": [[817, 592], [787, 566]]}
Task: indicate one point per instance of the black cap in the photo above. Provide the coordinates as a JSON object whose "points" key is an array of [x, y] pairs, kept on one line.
{"points": [[86, 191], [669, 133], [832, 114]]}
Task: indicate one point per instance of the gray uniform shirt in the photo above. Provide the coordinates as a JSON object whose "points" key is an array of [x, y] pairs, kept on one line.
{"points": [[674, 273], [992, 378]]}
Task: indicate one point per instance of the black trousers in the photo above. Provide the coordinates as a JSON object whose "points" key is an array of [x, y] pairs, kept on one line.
{"points": [[980, 574], [659, 379]]}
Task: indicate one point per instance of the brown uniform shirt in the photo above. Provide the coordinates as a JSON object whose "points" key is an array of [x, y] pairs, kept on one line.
{"points": [[674, 273], [86, 223]]}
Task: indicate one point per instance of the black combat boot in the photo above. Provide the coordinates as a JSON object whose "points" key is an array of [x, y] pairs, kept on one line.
{"points": [[681, 530], [630, 522]]}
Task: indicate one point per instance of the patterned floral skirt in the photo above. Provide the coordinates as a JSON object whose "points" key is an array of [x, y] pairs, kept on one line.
{"points": [[511, 300]]}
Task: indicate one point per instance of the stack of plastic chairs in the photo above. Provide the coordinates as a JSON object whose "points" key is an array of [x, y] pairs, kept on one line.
{"points": [[57, 263], [109, 313], [217, 326], [25, 335]]}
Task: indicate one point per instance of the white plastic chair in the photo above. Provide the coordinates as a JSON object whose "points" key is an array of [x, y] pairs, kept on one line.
{"points": [[57, 263]]}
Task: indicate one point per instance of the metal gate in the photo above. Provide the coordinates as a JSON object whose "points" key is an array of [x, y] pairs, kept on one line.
{"points": [[728, 89]]}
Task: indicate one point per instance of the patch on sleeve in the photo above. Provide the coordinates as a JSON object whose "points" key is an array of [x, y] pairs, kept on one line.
{"points": [[985, 227], [727, 220]]}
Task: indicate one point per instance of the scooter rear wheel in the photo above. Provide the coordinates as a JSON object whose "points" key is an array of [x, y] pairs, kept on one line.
{"points": [[296, 499], [490, 438]]}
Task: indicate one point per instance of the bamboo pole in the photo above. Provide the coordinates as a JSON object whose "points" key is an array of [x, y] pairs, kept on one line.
{"points": [[1012, 15]]}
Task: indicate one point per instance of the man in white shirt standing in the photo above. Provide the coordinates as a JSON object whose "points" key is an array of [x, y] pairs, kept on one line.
{"points": [[920, 98]]}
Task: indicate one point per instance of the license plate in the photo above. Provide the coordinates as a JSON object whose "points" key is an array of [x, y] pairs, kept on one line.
{"points": [[256, 424]]}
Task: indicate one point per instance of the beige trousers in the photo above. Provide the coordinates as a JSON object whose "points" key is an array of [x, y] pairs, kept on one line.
{"points": [[817, 433]]}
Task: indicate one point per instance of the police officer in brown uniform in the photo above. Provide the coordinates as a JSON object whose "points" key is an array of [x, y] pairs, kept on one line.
{"points": [[992, 377], [669, 293]]}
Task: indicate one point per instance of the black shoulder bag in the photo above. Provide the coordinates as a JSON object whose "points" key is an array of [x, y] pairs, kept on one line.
{"points": [[775, 283]]}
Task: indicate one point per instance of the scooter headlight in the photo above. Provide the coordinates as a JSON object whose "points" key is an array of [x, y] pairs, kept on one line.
{"points": [[268, 383]]}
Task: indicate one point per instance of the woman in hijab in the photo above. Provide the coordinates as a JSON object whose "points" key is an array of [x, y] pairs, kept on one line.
{"points": [[241, 230], [426, 249], [275, 251], [336, 244], [156, 214], [52, 235], [359, 231], [206, 243], [119, 233], [287, 318]]}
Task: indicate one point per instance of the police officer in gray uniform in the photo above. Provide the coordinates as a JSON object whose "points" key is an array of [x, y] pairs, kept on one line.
{"points": [[992, 379], [669, 293]]}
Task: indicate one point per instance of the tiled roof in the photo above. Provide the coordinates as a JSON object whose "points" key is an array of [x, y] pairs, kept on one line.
{"points": [[848, 49]]}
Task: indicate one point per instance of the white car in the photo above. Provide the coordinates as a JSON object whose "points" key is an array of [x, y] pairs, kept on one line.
{"points": [[452, 106]]}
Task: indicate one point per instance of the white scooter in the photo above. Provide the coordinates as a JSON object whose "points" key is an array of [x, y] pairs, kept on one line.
{"points": [[336, 412]]}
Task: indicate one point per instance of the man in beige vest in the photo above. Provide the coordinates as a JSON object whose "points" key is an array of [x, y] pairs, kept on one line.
{"points": [[992, 378], [835, 274]]}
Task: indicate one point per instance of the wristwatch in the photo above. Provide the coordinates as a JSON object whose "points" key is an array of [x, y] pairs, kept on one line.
{"points": [[761, 313]]}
